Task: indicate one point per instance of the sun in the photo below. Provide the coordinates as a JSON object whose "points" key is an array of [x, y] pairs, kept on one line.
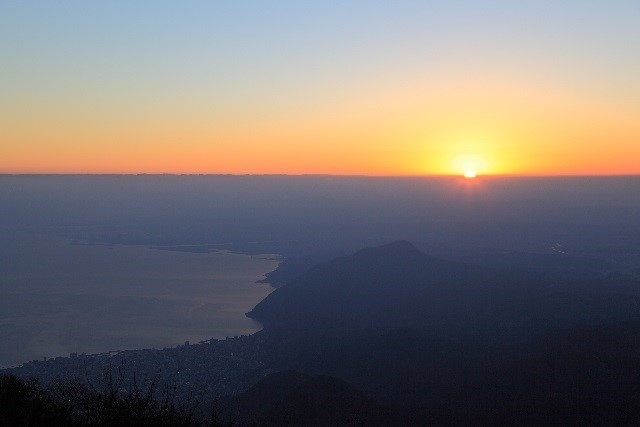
{"points": [[470, 165]]}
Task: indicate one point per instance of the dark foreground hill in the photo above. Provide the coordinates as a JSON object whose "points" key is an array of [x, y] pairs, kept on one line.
{"points": [[396, 285], [293, 399], [586, 375]]}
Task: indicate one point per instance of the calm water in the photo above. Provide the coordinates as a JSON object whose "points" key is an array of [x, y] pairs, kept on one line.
{"points": [[60, 298]]}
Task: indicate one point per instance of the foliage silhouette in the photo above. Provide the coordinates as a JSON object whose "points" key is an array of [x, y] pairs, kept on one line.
{"points": [[78, 401]]}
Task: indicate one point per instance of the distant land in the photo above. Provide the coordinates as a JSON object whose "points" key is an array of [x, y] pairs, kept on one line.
{"points": [[479, 220]]}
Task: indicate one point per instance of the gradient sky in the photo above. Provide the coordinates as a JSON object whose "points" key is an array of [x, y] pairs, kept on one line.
{"points": [[350, 87]]}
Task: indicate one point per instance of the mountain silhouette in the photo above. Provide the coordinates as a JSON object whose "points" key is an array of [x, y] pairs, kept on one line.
{"points": [[396, 285], [294, 398], [375, 287]]}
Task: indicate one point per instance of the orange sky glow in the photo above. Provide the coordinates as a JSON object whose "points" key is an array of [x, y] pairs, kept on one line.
{"points": [[79, 99]]}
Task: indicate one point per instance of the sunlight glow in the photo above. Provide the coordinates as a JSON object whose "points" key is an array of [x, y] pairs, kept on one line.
{"points": [[470, 165]]}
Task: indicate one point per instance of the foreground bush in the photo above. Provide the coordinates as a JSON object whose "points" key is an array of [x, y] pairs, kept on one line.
{"points": [[24, 402], [75, 401]]}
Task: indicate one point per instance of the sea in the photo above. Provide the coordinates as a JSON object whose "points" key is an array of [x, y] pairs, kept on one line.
{"points": [[61, 296]]}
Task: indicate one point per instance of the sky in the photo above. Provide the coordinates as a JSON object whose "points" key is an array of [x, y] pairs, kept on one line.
{"points": [[365, 87]]}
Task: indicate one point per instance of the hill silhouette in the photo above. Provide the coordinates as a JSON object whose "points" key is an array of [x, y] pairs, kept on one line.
{"points": [[291, 398], [396, 285], [375, 287]]}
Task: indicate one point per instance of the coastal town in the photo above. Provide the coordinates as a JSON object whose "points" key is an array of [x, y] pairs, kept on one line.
{"points": [[212, 367]]}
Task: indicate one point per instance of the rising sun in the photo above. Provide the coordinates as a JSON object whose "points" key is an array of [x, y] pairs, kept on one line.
{"points": [[469, 165]]}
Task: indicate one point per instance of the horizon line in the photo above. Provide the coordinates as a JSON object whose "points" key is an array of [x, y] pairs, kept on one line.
{"points": [[461, 176]]}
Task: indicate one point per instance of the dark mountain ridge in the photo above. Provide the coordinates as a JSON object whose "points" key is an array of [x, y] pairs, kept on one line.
{"points": [[396, 285], [293, 399]]}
